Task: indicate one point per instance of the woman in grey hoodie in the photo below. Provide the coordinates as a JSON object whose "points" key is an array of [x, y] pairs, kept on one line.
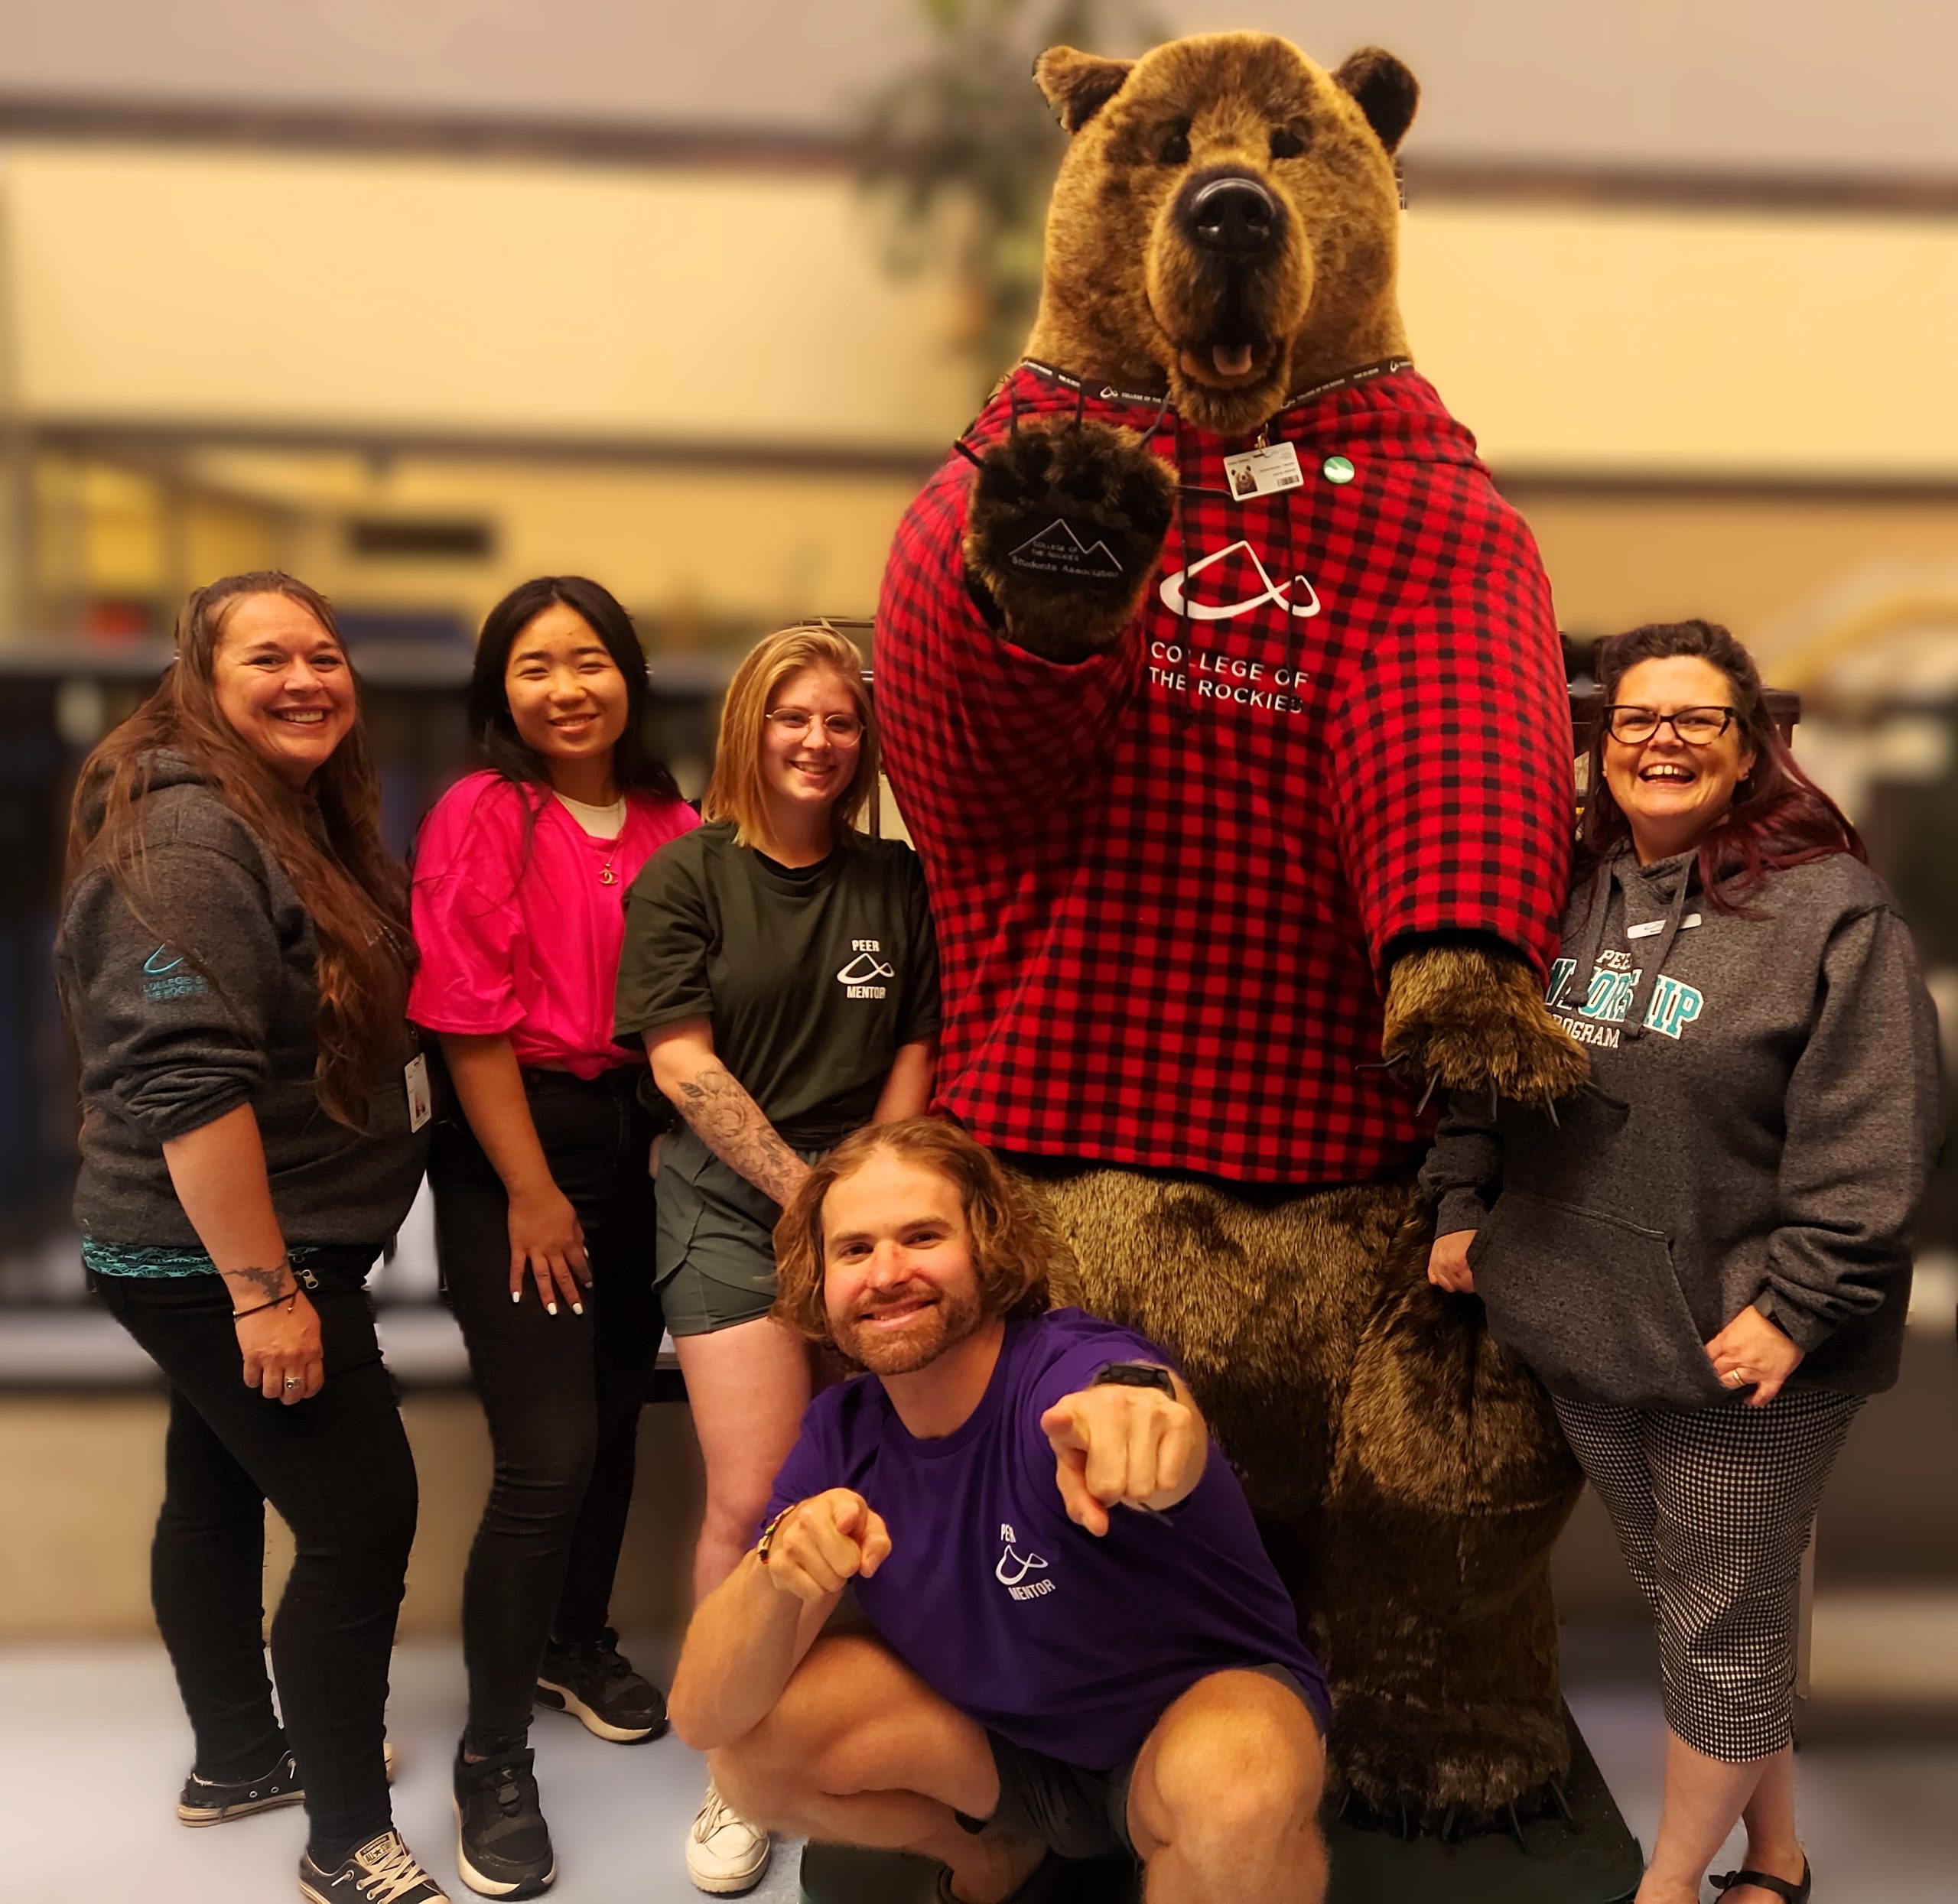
{"points": [[1706, 1255], [234, 961]]}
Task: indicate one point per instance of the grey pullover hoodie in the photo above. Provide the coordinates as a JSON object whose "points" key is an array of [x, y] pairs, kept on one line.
{"points": [[203, 1001], [1758, 1129]]}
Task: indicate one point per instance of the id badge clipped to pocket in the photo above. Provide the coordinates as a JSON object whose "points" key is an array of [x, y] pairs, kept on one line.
{"points": [[421, 1099]]}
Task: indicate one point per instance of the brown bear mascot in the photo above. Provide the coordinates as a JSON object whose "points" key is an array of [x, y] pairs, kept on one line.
{"points": [[1224, 701]]}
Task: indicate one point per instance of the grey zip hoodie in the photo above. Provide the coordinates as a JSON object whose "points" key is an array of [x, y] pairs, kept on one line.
{"points": [[1758, 1129], [203, 1003]]}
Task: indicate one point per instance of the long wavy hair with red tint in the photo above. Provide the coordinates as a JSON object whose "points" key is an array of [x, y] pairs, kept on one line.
{"points": [[1779, 817], [354, 892]]}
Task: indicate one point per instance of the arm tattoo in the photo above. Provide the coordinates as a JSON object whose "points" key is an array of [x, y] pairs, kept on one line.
{"points": [[731, 1124], [264, 1285]]}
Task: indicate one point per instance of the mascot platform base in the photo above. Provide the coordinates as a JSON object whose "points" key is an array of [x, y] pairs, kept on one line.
{"points": [[1594, 1860]]}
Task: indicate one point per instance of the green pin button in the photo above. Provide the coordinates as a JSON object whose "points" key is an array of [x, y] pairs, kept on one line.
{"points": [[1336, 470]]}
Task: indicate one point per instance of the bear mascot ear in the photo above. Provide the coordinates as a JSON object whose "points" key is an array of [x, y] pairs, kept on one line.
{"points": [[1078, 85], [1387, 93]]}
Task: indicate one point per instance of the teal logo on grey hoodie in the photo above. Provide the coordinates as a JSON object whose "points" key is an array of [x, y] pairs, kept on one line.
{"points": [[164, 977], [1674, 1005]]}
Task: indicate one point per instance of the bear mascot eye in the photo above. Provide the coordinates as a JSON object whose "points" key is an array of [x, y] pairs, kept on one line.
{"points": [[1176, 148], [1286, 142]]}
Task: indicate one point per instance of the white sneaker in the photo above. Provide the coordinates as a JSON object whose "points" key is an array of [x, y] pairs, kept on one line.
{"points": [[725, 1853]]}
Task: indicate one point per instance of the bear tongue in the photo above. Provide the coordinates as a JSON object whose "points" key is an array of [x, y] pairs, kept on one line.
{"points": [[1231, 360]]}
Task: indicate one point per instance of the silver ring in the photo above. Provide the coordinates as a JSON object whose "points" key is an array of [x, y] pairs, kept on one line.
{"points": [[292, 1381]]}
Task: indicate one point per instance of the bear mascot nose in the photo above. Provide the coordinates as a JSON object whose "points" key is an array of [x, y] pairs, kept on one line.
{"points": [[1234, 215]]}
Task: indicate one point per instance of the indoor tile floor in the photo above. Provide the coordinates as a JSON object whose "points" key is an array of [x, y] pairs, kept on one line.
{"points": [[93, 1747]]}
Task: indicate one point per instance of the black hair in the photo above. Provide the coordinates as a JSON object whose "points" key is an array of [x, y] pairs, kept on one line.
{"points": [[633, 768]]}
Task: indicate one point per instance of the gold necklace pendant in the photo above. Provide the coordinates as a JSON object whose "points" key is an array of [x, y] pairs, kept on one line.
{"points": [[607, 877]]}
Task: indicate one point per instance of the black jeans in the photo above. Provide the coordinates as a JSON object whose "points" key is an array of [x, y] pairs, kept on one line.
{"points": [[338, 1470], [562, 1393]]}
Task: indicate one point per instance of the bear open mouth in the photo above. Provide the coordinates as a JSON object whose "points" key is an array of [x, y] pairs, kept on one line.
{"points": [[1225, 366]]}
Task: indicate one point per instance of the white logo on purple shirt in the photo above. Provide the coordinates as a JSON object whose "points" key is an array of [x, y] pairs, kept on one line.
{"points": [[1013, 1568]]}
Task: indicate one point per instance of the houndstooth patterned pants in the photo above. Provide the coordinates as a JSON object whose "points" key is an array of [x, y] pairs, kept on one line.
{"points": [[1713, 1511]]}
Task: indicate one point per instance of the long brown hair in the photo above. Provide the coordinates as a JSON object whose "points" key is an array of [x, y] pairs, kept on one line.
{"points": [[354, 893], [1015, 1249], [735, 791], [1779, 817]]}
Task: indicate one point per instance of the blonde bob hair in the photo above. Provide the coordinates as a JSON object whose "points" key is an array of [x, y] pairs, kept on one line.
{"points": [[1015, 1249], [735, 792]]}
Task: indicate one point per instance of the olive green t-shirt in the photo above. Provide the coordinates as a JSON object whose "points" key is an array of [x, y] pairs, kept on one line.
{"points": [[811, 978]]}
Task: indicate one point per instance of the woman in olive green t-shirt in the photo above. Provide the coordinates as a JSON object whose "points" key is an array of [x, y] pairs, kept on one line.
{"points": [[780, 966]]}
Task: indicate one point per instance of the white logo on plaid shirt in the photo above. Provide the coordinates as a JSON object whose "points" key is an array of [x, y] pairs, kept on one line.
{"points": [[1275, 593]]}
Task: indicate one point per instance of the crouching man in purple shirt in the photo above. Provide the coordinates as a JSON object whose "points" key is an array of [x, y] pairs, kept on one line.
{"points": [[1078, 1642]]}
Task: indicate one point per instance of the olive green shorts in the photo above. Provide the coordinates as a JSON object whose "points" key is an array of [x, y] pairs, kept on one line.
{"points": [[714, 1240]]}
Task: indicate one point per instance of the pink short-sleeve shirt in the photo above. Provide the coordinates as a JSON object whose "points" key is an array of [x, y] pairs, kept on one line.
{"points": [[528, 946]]}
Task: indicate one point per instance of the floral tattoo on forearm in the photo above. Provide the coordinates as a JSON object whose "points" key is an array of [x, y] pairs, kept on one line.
{"points": [[731, 1124]]}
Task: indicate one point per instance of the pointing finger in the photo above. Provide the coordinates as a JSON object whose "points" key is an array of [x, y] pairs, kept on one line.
{"points": [[1063, 1428], [1082, 1508]]}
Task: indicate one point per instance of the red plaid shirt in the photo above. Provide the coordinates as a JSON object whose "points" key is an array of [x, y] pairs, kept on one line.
{"points": [[1167, 881]]}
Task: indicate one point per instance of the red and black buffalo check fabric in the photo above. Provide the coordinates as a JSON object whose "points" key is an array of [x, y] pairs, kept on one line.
{"points": [[1167, 881]]}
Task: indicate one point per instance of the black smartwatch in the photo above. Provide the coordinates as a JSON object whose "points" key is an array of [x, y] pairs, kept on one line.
{"points": [[1135, 1374]]}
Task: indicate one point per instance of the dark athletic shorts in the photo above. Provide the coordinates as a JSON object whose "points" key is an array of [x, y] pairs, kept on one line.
{"points": [[1074, 1812], [714, 1239]]}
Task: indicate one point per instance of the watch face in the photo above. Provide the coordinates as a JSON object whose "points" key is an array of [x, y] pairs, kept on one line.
{"points": [[1136, 1375]]}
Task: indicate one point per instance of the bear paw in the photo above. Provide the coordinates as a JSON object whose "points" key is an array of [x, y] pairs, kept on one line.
{"points": [[1066, 522], [1468, 1018]]}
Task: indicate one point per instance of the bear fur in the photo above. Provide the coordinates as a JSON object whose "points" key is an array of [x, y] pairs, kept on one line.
{"points": [[1223, 234]]}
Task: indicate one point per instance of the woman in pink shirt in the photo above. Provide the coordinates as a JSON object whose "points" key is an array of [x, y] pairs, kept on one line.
{"points": [[544, 1206]]}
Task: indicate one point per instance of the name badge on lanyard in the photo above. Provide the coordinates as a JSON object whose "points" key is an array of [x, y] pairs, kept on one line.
{"points": [[1264, 471]]}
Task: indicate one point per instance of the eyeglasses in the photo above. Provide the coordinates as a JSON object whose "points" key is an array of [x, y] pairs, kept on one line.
{"points": [[1696, 727], [843, 728]]}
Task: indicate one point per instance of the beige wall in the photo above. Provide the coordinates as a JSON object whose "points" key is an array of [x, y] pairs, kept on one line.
{"points": [[1769, 567], [620, 313], [389, 294], [346, 293], [80, 1479], [1620, 341]]}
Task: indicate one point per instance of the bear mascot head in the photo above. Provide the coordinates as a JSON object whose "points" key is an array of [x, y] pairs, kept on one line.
{"points": [[1225, 223], [1224, 701]]}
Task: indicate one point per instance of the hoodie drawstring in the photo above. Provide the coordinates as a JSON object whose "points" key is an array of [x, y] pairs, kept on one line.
{"points": [[1648, 977]]}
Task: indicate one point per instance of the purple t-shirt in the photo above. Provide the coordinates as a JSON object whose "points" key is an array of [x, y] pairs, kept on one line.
{"points": [[1062, 1643]]}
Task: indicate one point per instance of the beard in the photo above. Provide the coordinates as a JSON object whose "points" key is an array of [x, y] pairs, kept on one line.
{"points": [[943, 1325]]}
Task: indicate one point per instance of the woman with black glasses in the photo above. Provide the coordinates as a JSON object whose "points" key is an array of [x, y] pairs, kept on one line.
{"points": [[1706, 1256]]}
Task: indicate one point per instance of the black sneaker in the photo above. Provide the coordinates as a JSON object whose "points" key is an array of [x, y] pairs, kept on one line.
{"points": [[502, 1844], [383, 1871], [213, 1800], [589, 1679]]}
